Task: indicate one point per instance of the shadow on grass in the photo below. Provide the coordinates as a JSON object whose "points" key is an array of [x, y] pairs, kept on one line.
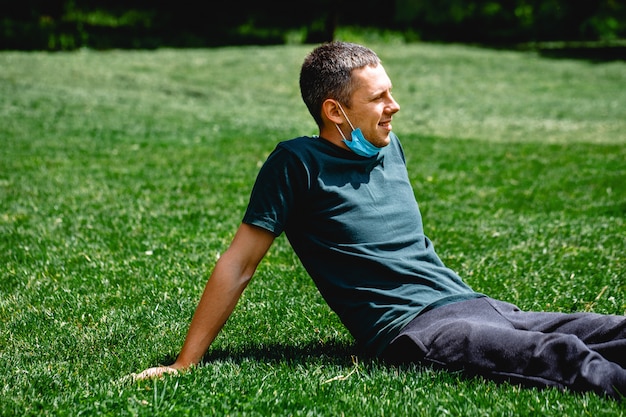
{"points": [[595, 54], [331, 352], [335, 352]]}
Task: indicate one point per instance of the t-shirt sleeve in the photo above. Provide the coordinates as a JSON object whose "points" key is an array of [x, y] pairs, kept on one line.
{"points": [[274, 194]]}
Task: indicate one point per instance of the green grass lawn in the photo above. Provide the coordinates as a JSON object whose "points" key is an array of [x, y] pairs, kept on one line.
{"points": [[124, 174]]}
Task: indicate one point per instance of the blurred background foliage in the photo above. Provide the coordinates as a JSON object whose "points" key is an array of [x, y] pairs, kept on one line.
{"points": [[104, 24]]}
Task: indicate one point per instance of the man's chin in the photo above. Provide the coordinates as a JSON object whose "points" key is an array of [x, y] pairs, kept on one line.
{"points": [[386, 141]]}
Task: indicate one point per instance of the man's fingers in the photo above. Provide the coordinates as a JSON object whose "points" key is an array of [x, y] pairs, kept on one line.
{"points": [[155, 372]]}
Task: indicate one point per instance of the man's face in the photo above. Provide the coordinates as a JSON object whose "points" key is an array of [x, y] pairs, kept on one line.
{"points": [[372, 105]]}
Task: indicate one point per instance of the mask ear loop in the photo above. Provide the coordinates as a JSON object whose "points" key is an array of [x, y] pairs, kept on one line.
{"points": [[346, 116], [342, 135]]}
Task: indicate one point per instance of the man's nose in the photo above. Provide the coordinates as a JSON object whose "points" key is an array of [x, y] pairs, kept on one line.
{"points": [[394, 106]]}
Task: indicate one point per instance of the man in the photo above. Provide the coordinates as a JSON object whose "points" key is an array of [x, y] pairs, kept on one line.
{"points": [[345, 202]]}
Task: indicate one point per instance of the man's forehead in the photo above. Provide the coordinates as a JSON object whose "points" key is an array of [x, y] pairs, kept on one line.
{"points": [[371, 78]]}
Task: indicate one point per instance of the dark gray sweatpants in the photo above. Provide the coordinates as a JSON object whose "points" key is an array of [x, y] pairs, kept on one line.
{"points": [[483, 336]]}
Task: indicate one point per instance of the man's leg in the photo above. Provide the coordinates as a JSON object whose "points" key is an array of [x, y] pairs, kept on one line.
{"points": [[605, 334], [477, 336]]}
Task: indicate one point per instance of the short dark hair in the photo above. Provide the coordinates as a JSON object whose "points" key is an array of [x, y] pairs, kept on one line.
{"points": [[327, 73]]}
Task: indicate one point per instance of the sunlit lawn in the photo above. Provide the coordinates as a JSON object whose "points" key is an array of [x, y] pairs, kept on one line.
{"points": [[123, 175]]}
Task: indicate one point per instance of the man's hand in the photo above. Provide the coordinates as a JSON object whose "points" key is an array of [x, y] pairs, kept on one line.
{"points": [[156, 372]]}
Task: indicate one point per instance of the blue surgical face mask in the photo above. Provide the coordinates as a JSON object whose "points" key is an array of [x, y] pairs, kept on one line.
{"points": [[358, 144]]}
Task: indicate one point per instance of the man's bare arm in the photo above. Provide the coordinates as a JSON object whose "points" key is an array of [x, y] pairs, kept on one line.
{"points": [[229, 278]]}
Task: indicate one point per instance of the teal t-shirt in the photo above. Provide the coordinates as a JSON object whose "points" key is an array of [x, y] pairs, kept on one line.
{"points": [[356, 227]]}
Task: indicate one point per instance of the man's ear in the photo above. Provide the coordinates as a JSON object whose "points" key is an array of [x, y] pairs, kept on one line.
{"points": [[331, 111]]}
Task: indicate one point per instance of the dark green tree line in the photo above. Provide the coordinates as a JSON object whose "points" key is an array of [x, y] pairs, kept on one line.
{"points": [[69, 24]]}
